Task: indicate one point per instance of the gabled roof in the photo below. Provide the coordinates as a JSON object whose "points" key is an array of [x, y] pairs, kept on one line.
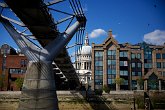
{"points": [[153, 71], [110, 39]]}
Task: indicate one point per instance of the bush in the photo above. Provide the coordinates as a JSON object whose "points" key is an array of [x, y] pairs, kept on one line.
{"points": [[98, 92], [106, 89]]}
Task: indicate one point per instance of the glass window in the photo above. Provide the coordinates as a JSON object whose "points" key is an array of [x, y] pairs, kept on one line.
{"points": [[139, 55], [111, 52], [133, 55], [123, 73], [111, 81], [123, 54], [123, 63], [158, 56], [133, 65], [158, 64], [133, 73], [99, 77], [163, 55], [98, 72], [163, 73], [148, 65], [98, 53], [139, 65], [125, 82], [98, 63], [139, 73], [163, 64]]}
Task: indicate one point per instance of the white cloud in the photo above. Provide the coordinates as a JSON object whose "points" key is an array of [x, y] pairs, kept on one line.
{"points": [[97, 32], [156, 37], [114, 35]]}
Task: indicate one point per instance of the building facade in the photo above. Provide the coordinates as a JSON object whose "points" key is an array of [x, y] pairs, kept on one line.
{"points": [[83, 62], [128, 67], [12, 66]]}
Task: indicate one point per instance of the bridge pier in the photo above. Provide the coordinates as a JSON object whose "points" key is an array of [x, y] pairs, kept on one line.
{"points": [[39, 91]]}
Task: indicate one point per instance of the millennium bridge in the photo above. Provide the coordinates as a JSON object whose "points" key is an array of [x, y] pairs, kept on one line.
{"points": [[49, 62]]}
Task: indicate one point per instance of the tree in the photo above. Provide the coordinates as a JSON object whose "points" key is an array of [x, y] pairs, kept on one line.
{"points": [[106, 89], [140, 81], [19, 82], [119, 81]]}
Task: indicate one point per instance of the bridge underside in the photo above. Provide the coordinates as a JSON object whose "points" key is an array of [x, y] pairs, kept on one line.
{"points": [[36, 17]]}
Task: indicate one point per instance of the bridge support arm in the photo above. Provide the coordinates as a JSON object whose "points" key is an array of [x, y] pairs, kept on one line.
{"points": [[27, 48], [55, 46]]}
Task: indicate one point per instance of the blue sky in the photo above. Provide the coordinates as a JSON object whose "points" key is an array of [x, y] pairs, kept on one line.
{"points": [[131, 21]]}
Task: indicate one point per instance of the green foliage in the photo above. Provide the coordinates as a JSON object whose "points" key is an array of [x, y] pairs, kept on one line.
{"points": [[119, 81], [98, 91], [140, 81], [106, 89], [19, 82], [140, 102]]}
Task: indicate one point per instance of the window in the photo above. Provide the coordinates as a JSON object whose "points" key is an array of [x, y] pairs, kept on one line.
{"points": [[111, 67], [123, 54], [133, 56], [139, 65], [17, 71], [158, 56], [163, 65], [158, 64], [123, 63], [123, 73], [133, 65], [111, 52], [98, 63], [98, 72], [133, 73], [125, 82], [163, 73], [98, 68], [111, 81], [163, 55], [138, 55], [148, 65], [139, 73], [98, 53], [23, 63]]}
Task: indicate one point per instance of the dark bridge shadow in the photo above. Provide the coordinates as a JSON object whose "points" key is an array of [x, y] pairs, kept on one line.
{"points": [[97, 102]]}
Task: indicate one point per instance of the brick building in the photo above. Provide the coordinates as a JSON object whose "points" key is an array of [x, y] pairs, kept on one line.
{"points": [[12, 66], [141, 66]]}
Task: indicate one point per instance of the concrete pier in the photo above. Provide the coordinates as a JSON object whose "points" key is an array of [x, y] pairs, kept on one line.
{"points": [[39, 91]]}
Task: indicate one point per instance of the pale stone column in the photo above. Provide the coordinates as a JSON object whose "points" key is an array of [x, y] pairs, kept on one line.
{"points": [[160, 86], [117, 67], [145, 85], [93, 67], [105, 67], [154, 58]]}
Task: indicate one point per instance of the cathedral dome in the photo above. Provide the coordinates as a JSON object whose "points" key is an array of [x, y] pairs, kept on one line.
{"points": [[86, 48]]}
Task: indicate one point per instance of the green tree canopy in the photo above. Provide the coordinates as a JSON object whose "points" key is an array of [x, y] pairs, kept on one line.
{"points": [[19, 82], [119, 81]]}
